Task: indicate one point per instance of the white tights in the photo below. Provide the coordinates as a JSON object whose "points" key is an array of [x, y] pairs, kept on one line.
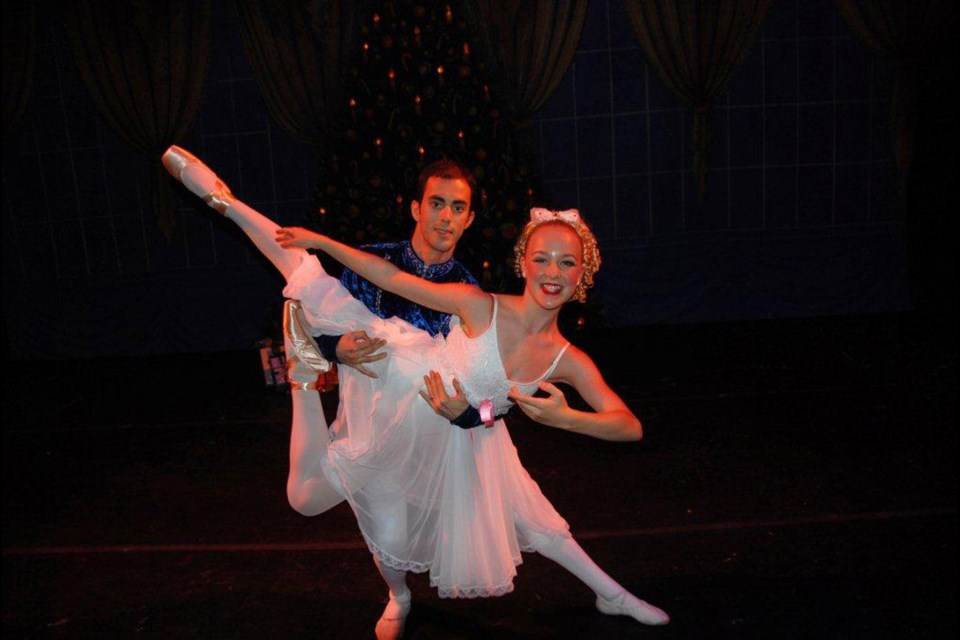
{"points": [[263, 232], [310, 489], [312, 486], [571, 556]]}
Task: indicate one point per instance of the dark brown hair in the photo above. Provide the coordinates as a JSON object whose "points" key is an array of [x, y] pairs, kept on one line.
{"points": [[448, 170]]}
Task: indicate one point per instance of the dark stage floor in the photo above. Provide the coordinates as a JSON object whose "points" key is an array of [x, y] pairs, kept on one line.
{"points": [[796, 481]]}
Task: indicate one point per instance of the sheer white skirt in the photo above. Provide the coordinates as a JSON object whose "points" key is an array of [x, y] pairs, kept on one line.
{"points": [[428, 496]]}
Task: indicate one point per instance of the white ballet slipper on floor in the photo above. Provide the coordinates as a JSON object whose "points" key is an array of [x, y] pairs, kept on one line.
{"points": [[625, 604], [197, 177], [391, 623]]}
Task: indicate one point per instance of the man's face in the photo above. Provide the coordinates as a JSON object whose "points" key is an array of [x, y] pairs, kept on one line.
{"points": [[442, 216]]}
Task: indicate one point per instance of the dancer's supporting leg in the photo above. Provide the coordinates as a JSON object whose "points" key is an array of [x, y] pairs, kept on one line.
{"points": [[390, 624], [612, 598]]}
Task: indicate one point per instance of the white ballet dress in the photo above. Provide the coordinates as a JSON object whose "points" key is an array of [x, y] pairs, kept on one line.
{"points": [[428, 495]]}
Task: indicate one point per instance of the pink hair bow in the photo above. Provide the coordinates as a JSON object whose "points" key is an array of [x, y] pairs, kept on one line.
{"points": [[539, 214]]}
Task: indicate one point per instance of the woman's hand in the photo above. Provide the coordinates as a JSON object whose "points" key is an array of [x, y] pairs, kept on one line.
{"points": [[550, 410], [288, 237]]}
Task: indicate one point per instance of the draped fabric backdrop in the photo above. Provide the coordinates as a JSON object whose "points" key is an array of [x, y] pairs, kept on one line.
{"points": [[296, 50], [801, 217], [695, 45], [19, 58], [144, 63], [529, 46], [909, 32]]}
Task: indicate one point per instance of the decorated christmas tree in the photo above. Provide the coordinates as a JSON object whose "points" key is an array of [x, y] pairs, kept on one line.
{"points": [[418, 93]]}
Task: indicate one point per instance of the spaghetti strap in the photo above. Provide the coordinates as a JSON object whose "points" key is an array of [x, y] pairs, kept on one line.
{"points": [[556, 361], [493, 316]]}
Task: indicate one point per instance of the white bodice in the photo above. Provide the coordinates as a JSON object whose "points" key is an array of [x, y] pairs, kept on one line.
{"points": [[477, 365]]}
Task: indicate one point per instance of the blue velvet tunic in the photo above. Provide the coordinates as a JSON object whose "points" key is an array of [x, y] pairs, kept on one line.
{"points": [[386, 304]]}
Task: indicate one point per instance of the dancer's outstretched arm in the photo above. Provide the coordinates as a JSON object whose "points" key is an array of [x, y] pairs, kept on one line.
{"points": [[611, 418], [470, 303]]}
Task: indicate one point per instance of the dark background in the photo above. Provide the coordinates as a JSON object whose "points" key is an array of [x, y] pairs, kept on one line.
{"points": [[802, 216], [789, 344]]}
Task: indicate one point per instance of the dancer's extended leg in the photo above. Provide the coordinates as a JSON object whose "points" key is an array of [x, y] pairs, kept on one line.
{"points": [[390, 625], [263, 232], [612, 598], [341, 311], [201, 180], [309, 490]]}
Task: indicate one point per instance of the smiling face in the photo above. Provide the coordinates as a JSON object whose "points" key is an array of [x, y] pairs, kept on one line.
{"points": [[442, 215], [552, 264]]}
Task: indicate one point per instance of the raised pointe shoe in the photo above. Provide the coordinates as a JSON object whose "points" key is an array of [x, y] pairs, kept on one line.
{"points": [[197, 177], [304, 347], [626, 604]]}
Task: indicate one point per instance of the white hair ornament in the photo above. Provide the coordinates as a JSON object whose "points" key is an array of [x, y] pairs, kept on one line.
{"points": [[539, 214]]}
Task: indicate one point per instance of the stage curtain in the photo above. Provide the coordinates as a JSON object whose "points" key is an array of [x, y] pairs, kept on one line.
{"points": [[529, 44], [909, 32], [297, 50], [144, 63], [695, 45], [19, 58]]}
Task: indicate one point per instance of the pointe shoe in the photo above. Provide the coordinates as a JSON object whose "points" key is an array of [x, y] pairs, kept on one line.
{"points": [[305, 349], [391, 623], [197, 177], [300, 377], [626, 604]]}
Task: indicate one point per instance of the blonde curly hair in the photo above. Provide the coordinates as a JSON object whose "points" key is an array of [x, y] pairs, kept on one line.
{"points": [[590, 257]]}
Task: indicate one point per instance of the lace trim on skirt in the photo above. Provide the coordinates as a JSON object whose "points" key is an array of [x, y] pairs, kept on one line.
{"points": [[472, 592], [443, 592], [395, 563]]}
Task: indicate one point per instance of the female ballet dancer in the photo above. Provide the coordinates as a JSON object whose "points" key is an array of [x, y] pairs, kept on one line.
{"points": [[429, 496]]}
